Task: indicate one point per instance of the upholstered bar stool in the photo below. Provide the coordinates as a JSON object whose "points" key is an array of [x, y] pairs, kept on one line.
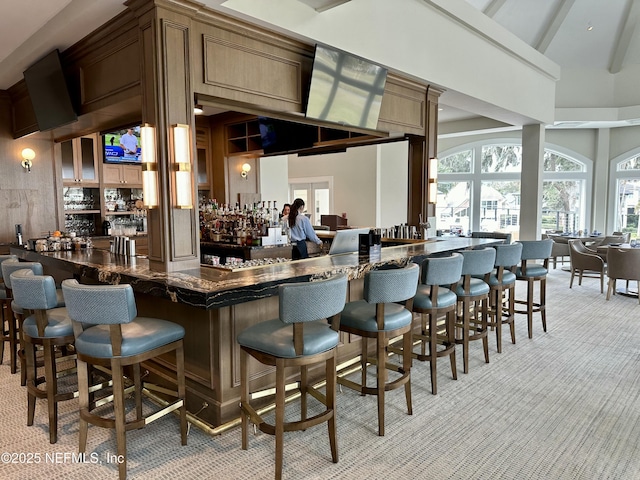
{"points": [[434, 298], [502, 282], [8, 323], [17, 312], [300, 337], [48, 327], [109, 333], [473, 299], [380, 318], [534, 266]]}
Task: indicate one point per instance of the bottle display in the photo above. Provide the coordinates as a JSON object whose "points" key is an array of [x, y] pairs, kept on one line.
{"points": [[247, 225]]}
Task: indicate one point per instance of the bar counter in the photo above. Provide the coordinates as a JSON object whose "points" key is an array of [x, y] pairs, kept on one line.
{"points": [[214, 305]]}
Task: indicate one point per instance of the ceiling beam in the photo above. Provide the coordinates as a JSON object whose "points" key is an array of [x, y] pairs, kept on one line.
{"points": [[624, 40], [552, 27], [322, 5], [493, 7]]}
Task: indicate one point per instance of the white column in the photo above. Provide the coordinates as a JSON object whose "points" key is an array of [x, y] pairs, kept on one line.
{"points": [[531, 182], [599, 197]]}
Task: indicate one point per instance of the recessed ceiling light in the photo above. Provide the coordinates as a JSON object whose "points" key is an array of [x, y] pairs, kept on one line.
{"points": [[589, 27], [197, 110], [440, 109]]}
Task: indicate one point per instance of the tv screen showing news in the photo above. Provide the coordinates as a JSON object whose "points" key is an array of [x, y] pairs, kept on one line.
{"points": [[345, 89], [122, 146]]}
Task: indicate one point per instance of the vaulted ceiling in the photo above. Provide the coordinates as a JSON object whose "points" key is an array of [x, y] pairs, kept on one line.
{"points": [[575, 34]]}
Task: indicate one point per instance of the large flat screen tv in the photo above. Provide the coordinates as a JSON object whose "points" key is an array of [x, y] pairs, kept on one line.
{"points": [[122, 146], [281, 136], [345, 89], [49, 94]]}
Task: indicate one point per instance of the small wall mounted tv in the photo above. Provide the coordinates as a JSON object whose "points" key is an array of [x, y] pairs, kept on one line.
{"points": [[345, 89], [122, 146], [281, 136], [49, 93]]}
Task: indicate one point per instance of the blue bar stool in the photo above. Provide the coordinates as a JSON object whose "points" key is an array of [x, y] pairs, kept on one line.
{"points": [[15, 311], [8, 323], [502, 282], [49, 327], [473, 300], [109, 333], [379, 317], [298, 338], [436, 297], [534, 266]]}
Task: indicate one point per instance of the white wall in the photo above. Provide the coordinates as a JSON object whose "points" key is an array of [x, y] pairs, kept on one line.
{"points": [[274, 173], [393, 180], [369, 183]]}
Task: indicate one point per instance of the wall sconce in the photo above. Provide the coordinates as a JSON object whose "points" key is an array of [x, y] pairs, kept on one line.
{"points": [[433, 180], [182, 166], [149, 166], [246, 168], [27, 158]]}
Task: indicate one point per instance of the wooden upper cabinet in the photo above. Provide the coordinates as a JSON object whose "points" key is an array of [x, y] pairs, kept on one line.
{"points": [[130, 175], [80, 161], [202, 156]]}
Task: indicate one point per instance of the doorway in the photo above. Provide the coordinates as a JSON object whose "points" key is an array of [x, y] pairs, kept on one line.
{"points": [[317, 193]]}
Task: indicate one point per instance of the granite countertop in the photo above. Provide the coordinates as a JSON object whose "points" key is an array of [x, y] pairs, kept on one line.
{"points": [[207, 288]]}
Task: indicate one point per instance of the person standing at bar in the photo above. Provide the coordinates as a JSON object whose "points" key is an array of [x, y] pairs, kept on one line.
{"points": [[301, 230]]}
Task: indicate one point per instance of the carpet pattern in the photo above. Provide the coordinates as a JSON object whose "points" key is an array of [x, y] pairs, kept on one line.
{"points": [[563, 405]]}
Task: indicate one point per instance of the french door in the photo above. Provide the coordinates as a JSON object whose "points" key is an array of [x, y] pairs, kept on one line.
{"points": [[316, 193]]}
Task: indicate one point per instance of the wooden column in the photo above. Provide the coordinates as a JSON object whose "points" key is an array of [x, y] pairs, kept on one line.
{"points": [[167, 100], [420, 151]]}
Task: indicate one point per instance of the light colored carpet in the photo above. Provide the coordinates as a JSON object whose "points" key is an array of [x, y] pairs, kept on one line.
{"points": [[563, 405]]}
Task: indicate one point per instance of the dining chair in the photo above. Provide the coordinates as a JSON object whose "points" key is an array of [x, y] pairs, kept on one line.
{"points": [[623, 264], [585, 263]]}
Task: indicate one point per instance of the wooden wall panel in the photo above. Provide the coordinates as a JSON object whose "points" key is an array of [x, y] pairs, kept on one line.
{"points": [[244, 72], [110, 73], [403, 107]]}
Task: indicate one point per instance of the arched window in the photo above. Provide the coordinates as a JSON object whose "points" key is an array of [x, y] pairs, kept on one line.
{"points": [[479, 188], [626, 205]]}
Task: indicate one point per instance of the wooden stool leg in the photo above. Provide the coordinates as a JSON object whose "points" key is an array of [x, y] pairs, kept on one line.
{"points": [[13, 343], [465, 335], [52, 388], [119, 414], [543, 302], [363, 364], [381, 374], [3, 331], [83, 394], [512, 314], [303, 392], [497, 311], [138, 389], [530, 307], [280, 397], [32, 374], [406, 366], [181, 392], [484, 314], [331, 404], [451, 338], [433, 352]]}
